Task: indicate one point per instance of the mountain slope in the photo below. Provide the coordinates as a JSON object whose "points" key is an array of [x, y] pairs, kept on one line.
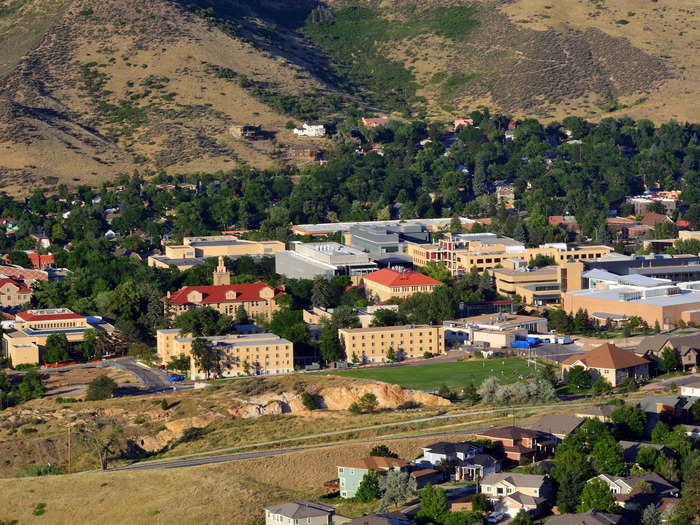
{"points": [[90, 89]]}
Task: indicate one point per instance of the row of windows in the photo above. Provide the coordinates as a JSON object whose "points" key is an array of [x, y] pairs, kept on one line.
{"points": [[391, 335]]}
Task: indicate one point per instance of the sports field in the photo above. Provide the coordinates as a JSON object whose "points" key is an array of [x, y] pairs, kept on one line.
{"points": [[429, 377]]}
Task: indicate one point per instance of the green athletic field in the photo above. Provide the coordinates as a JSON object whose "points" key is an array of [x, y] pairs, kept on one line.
{"points": [[429, 377]]}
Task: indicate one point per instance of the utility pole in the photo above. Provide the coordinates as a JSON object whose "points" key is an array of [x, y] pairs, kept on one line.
{"points": [[69, 458]]}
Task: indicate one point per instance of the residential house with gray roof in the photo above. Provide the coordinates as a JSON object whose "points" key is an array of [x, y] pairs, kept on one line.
{"points": [[298, 512]]}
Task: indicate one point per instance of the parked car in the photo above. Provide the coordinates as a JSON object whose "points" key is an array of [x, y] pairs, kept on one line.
{"points": [[176, 378], [161, 367], [495, 517]]}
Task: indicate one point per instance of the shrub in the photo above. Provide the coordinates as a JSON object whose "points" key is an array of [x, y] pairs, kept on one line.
{"points": [[49, 469], [101, 387], [309, 401], [383, 451], [164, 404]]}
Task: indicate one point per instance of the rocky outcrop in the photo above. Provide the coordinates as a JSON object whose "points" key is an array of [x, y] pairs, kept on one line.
{"points": [[173, 430], [335, 398]]}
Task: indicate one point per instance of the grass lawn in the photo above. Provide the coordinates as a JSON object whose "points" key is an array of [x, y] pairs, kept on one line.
{"points": [[429, 377]]}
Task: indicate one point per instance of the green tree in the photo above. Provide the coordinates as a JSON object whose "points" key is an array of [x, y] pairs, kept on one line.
{"points": [[369, 488], [435, 270], [433, 506], [608, 456], [56, 348], [31, 386], [397, 487], [660, 432], [571, 471], [596, 495], [470, 394], [205, 356], [391, 355], [646, 457], [630, 422], [100, 436], [241, 315], [601, 386], [669, 360], [480, 503], [578, 377], [142, 352], [382, 451], [547, 373], [522, 518], [180, 364], [102, 387], [651, 515], [308, 400], [464, 517], [321, 293]]}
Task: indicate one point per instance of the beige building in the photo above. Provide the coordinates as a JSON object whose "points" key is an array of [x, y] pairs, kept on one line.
{"points": [[262, 353], [493, 330], [24, 342], [194, 250], [611, 362], [664, 304], [386, 284], [371, 344], [14, 292], [258, 299], [366, 315], [536, 286]]}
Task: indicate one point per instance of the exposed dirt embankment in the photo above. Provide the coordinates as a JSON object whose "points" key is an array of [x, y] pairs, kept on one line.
{"points": [[338, 397]]}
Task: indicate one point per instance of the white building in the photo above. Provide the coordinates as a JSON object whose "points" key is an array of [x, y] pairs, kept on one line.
{"points": [[310, 130]]}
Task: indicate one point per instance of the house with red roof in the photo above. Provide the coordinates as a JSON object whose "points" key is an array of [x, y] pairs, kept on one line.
{"points": [[611, 362], [256, 298], [386, 283], [40, 262], [374, 122], [652, 219]]}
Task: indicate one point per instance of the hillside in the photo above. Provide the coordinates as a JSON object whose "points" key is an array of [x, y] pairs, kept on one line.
{"points": [[90, 89]]}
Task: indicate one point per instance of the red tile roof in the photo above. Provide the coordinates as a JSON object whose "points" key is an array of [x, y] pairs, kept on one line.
{"points": [[41, 261], [23, 273], [217, 293], [388, 277], [607, 356], [22, 288], [653, 218], [35, 315]]}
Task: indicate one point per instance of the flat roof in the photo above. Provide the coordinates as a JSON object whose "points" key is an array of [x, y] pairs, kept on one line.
{"points": [[389, 328], [614, 294], [344, 226]]}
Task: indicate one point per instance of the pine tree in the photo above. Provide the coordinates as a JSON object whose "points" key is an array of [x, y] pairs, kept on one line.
{"points": [[433, 505]]}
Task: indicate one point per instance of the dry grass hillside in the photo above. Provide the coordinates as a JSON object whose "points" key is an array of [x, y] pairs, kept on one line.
{"points": [[234, 492], [106, 87], [90, 89]]}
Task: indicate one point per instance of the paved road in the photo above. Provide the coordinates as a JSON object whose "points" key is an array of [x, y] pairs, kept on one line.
{"points": [[153, 379], [678, 380], [222, 455]]}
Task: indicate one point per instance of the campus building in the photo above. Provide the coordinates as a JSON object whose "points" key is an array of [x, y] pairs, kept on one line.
{"points": [[486, 251], [380, 241], [25, 340], [324, 259], [194, 250], [372, 344], [535, 286], [259, 354], [257, 299], [493, 330], [330, 228], [366, 314], [665, 304], [387, 283], [13, 292]]}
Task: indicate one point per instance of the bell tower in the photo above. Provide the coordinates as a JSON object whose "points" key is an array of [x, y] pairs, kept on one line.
{"points": [[221, 275]]}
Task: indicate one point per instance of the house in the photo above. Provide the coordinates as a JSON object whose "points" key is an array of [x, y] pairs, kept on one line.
{"points": [[350, 474], [652, 219], [425, 476], [387, 283], [14, 292], [374, 122], [247, 131], [511, 492], [691, 389], [592, 517], [302, 153], [297, 512], [629, 494], [557, 425], [443, 452], [22, 274], [39, 261], [599, 412], [310, 130], [667, 408], [630, 449], [462, 123], [567, 222], [517, 442], [611, 362], [692, 431], [255, 298], [686, 347], [42, 241], [476, 467]]}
